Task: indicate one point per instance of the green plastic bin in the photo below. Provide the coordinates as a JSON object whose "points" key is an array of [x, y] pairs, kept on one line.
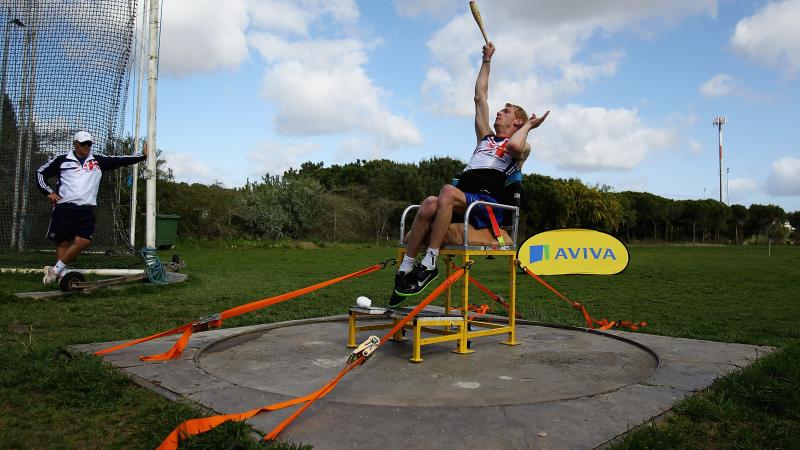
{"points": [[166, 230]]}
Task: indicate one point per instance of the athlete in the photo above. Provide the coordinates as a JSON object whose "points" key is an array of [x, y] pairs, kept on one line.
{"points": [[72, 221], [498, 154]]}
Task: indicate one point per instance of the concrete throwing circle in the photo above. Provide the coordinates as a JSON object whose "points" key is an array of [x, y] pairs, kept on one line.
{"points": [[550, 364]]}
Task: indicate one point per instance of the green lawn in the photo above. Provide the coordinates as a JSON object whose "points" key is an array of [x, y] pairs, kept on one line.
{"points": [[732, 294]]}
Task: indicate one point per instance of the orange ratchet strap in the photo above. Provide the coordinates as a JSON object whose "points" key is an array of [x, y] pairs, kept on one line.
{"points": [[495, 227], [603, 324], [491, 294], [197, 426], [215, 321], [479, 311]]}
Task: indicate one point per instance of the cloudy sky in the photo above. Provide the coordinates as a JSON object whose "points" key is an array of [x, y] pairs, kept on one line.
{"points": [[249, 87]]}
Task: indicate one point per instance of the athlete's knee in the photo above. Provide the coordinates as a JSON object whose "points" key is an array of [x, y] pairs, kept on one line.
{"points": [[445, 190], [428, 207], [450, 195]]}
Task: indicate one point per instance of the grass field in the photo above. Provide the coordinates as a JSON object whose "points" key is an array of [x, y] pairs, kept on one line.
{"points": [[730, 294]]}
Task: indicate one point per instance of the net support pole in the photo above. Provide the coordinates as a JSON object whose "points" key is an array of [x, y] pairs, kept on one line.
{"points": [[152, 83], [3, 74], [24, 104], [135, 175], [30, 129], [3, 71]]}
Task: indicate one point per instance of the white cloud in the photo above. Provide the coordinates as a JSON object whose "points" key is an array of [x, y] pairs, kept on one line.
{"points": [[694, 146], [722, 85], [343, 11], [637, 184], [296, 17], [771, 36], [719, 85], [318, 86], [274, 159], [742, 185], [741, 191], [321, 87], [547, 66], [538, 68], [187, 167], [586, 139], [202, 36], [359, 148], [609, 15], [416, 8], [320, 54], [207, 35], [281, 17], [784, 179]]}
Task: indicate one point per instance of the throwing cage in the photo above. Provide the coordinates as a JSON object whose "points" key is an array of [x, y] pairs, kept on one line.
{"points": [[64, 67]]}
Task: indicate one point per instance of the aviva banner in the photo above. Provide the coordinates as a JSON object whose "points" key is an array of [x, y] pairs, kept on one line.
{"points": [[573, 251]]}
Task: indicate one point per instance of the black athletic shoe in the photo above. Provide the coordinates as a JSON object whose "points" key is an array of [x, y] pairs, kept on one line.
{"points": [[395, 300], [399, 279], [416, 281], [399, 283]]}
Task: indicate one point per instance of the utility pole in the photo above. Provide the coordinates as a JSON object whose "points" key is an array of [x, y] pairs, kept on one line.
{"points": [[719, 122]]}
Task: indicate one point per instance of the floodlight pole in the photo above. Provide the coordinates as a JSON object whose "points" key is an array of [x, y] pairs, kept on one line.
{"points": [[719, 122], [152, 82], [727, 185]]}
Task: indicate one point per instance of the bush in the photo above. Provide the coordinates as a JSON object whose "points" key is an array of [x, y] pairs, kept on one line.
{"points": [[278, 208]]}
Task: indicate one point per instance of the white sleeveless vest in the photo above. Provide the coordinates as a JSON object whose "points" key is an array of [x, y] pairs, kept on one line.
{"points": [[491, 153]]}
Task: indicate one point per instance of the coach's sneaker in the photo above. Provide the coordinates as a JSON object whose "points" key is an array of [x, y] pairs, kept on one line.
{"points": [[50, 275], [416, 281]]}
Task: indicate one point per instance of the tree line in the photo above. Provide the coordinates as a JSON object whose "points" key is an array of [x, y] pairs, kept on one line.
{"points": [[362, 202]]}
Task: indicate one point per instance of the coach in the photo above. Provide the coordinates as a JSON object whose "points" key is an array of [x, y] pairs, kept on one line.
{"points": [[78, 179]]}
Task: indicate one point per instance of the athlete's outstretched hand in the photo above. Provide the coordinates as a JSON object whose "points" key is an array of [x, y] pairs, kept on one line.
{"points": [[536, 121]]}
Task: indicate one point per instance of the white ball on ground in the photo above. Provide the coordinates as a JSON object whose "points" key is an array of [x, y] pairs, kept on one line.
{"points": [[363, 302]]}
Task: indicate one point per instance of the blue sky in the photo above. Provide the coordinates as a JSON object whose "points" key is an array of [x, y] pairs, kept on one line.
{"points": [[249, 87]]}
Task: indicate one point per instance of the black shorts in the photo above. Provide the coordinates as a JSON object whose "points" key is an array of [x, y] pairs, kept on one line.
{"points": [[67, 222]]}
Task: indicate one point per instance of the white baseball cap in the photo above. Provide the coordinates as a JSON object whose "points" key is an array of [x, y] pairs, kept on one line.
{"points": [[82, 136]]}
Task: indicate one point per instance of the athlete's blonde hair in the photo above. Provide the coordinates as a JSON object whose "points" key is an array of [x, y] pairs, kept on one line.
{"points": [[519, 112]]}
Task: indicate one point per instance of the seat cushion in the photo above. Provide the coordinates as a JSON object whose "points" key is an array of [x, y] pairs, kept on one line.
{"points": [[483, 236]]}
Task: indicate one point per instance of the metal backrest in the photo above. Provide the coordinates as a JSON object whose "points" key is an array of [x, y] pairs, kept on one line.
{"points": [[510, 201]]}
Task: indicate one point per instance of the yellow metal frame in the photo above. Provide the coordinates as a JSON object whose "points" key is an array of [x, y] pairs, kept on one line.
{"points": [[353, 328], [444, 329]]}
